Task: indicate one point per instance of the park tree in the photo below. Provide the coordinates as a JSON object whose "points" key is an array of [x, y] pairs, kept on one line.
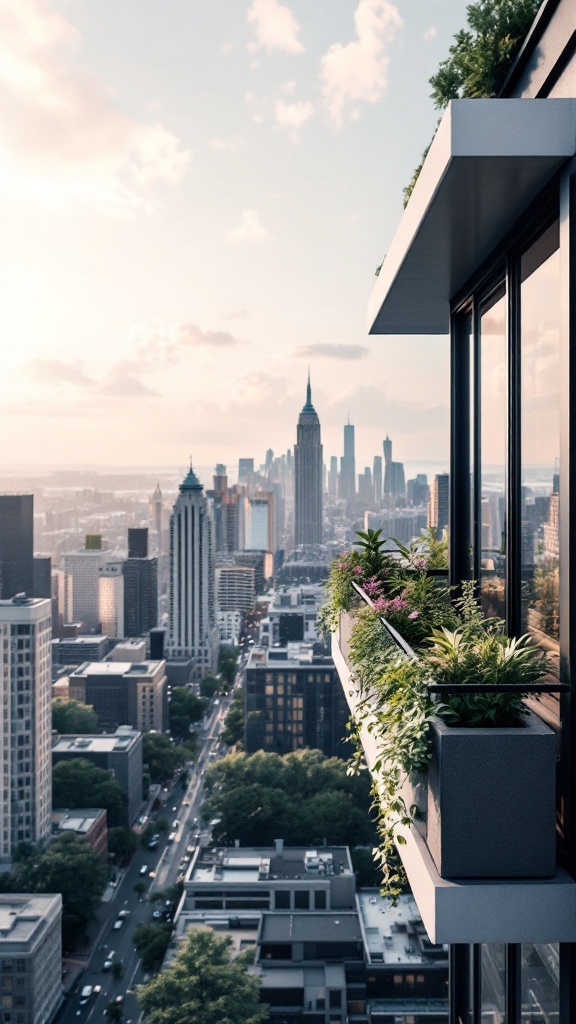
{"points": [[209, 686], [204, 984], [161, 756], [79, 783], [122, 843], [233, 731], [227, 660], [71, 717], [151, 942], [185, 709], [114, 1012]]}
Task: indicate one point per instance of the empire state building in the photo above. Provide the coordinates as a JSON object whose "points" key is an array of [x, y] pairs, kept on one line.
{"points": [[308, 465]]}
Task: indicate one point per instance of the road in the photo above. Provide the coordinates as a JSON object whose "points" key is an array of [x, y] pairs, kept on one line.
{"points": [[162, 871]]}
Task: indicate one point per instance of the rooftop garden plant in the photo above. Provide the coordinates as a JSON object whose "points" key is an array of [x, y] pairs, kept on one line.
{"points": [[453, 644]]}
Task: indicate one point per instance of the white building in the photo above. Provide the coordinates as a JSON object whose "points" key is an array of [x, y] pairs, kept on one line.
{"points": [[111, 599], [193, 632], [82, 572], [30, 957], [25, 741]]}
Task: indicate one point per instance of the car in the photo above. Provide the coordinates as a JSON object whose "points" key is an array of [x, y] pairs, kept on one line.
{"points": [[175, 823], [185, 859], [85, 994], [174, 809], [157, 915], [153, 844], [186, 803], [171, 837], [119, 1000], [124, 913], [144, 869], [190, 849], [108, 961], [97, 990], [118, 924]]}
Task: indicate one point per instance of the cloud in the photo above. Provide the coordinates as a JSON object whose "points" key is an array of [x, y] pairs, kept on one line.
{"points": [[431, 33], [398, 417], [159, 346], [193, 336], [358, 72], [225, 144], [56, 372], [237, 314], [250, 229], [126, 385], [275, 26], [227, 48], [64, 139], [327, 351], [293, 115]]}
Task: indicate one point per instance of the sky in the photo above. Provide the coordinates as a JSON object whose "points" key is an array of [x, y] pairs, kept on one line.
{"points": [[195, 197]]}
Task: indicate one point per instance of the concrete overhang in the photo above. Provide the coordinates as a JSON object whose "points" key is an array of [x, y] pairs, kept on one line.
{"points": [[488, 161]]}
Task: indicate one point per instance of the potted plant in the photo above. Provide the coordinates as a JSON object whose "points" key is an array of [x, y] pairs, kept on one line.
{"points": [[491, 775]]}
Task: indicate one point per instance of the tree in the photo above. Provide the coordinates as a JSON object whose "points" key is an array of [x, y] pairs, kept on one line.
{"points": [[204, 984], [117, 969], [161, 756], [227, 660], [114, 1012], [72, 717], [233, 731], [79, 783], [71, 867], [185, 709], [368, 872], [209, 686], [122, 843], [139, 887], [151, 941]]}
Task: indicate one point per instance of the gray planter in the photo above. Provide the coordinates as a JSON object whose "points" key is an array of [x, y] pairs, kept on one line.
{"points": [[491, 801]]}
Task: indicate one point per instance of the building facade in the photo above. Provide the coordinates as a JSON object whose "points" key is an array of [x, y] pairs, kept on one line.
{"points": [[111, 599], [123, 693], [439, 506], [193, 631], [82, 573], [308, 471], [119, 754], [140, 586], [26, 679], [348, 464], [30, 957], [16, 545]]}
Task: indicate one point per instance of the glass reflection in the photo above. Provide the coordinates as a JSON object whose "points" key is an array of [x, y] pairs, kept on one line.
{"points": [[540, 419], [493, 447], [493, 984], [540, 982]]}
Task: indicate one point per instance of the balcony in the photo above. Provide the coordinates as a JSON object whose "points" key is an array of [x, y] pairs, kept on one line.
{"points": [[454, 910]]}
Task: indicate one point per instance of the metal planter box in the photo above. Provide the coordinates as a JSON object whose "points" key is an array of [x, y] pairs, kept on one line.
{"points": [[491, 801]]}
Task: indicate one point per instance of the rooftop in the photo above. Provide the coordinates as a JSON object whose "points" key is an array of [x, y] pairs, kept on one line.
{"points": [[78, 820], [343, 926], [248, 865], [117, 668], [294, 655], [395, 935], [21, 915], [102, 744]]}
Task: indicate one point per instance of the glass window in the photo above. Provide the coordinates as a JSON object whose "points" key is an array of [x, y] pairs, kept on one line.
{"points": [[540, 433], [493, 370], [493, 983], [539, 981]]}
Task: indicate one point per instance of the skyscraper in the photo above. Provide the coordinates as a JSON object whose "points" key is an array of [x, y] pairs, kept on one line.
{"points": [[348, 464], [140, 586], [193, 632], [16, 544], [111, 599], [394, 482], [333, 477], [82, 572], [377, 478], [308, 465], [25, 679], [155, 511], [438, 508]]}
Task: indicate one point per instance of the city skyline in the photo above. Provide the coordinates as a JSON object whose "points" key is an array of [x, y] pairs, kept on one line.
{"points": [[189, 183]]}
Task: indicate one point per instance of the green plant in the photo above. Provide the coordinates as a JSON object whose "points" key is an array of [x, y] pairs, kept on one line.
{"points": [[461, 658], [374, 560]]}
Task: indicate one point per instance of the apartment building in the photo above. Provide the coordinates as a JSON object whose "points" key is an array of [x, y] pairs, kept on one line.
{"points": [[485, 254], [119, 754], [30, 957], [123, 693]]}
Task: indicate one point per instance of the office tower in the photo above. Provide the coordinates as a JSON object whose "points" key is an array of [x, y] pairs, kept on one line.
{"points": [[82, 572], [348, 464], [123, 693], [140, 586], [439, 504], [377, 479], [365, 491], [245, 470], [220, 480], [25, 675], [333, 477], [42, 570], [308, 463], [417, 490], [30, 957], [192, 631], [155, 511], [111, 599], [259, 522], [394, 482], [16, 544]]}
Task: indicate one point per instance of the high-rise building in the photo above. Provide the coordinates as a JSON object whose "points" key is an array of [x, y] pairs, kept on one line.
{"points": [[16, 544], [394, 481], [155, 511], [30, 956], [365, 490], [438, 509], [123, 693], [259, 522], [308, 464], [111, 599], [140, 586], [82, 572], [348, 464], [236, 588], [377, 479], [25, 676], [333, 477], [42, 569], [192, 632], [245, 470]]}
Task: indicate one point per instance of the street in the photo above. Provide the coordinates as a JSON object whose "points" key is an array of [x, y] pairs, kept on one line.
{"points": [[163, 871]]}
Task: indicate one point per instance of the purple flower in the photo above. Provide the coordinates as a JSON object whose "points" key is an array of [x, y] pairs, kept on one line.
{"points": [[414, 615], [357, 570], [419, 563]]}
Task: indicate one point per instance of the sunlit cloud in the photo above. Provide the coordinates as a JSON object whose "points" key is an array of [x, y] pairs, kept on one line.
{"points": [[158, 346], [330, 351], [275, 26], [126, 385], [250, 229], [293, 115], [56, 372], [64, 139], [431, 33], [358, 71]]}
